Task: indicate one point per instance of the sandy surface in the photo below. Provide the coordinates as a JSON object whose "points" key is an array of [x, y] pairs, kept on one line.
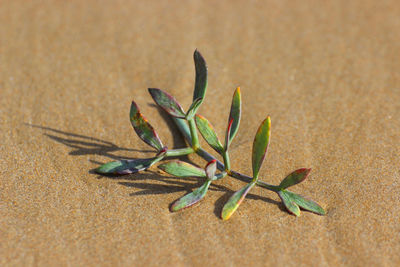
{"points": [[327, 73]]}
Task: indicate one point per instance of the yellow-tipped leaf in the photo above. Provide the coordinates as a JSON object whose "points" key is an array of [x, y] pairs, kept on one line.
{"points": [[235, 200]]}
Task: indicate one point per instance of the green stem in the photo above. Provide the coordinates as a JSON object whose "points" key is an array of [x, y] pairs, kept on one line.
{"points": [[179, 152], [220, 175], [268, 186], [184, 129], [258, 182], [227, 161], [234, 174], [193, 133]]}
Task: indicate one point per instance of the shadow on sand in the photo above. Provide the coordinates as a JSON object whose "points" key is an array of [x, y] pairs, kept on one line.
{"points": [[147, 182]]}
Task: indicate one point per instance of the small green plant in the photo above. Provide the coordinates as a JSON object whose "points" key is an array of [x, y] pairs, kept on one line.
{"points": [[189, 123]]}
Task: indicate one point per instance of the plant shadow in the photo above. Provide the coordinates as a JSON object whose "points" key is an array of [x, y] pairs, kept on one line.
{"points": [[146, 182], [83, 145]]}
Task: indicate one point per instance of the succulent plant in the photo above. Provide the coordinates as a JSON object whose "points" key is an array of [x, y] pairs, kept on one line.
{"points": [[190, 123]]}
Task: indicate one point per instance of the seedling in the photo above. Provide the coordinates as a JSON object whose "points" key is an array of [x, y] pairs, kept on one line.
{"points": [[190, 123]]}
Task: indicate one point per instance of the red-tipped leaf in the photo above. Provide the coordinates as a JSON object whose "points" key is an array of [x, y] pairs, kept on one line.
{"points": [[191, 198], [260, 145], [167, 102], [126, 166], [294, 178], [234, 118], [143, 128], [182, 169], [211, 168]]}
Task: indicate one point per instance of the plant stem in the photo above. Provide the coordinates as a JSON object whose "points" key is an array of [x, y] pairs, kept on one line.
{"points": [[193, 133], [184, 129], [179, 152], [259, 183], [227, 161], [220, 175]]}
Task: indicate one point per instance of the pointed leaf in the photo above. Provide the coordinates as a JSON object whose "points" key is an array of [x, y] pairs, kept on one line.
{"points": [[191, 198], [182, 169], [201, 76], [167, 102], [290, 205], [193, 108], [294, 178], [208, 133], [126, 166], [305, 203], [234, 117], [228, 131], [260, 145], [235, 200], [211, 168], [143, 128]]}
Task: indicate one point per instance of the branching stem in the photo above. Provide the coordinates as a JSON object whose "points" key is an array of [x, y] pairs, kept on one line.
{"points": [[187, 133]]}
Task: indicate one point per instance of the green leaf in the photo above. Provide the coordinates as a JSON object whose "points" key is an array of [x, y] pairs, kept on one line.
{"points": [[191, 198], [201, 76], [260, 146], [235, 200], [305, 203], [182, 169], [167, 102], [294, 178], [193, 108], [208, 133], [228, 130], [234, 118], [289, 203], [143, 128], [211, 168], [126, 166]]}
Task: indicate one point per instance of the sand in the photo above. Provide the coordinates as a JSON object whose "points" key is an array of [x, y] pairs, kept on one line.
{"points": [[326, 72]]}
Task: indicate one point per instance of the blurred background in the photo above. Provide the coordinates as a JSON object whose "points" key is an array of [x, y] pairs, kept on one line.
{"points": [[327, 72]]}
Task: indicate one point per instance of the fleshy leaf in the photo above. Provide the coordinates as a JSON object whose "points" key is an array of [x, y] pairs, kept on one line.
{"points": [[126, 166], [191, 198], [208, 133], [305, 203], [260, 145], [289, 203], [143, 128], [294, 178], [193, 108], [234, 118], [167, 102], [228, 130], [201, 76], [182, 169], [235, 200], [211, 168]]}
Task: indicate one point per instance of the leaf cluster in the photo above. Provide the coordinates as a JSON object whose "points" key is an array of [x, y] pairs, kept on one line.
{"points": [[190, 123]]}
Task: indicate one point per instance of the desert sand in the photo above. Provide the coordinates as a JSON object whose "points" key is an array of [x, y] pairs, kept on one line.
{"points": [[327, 72]]}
